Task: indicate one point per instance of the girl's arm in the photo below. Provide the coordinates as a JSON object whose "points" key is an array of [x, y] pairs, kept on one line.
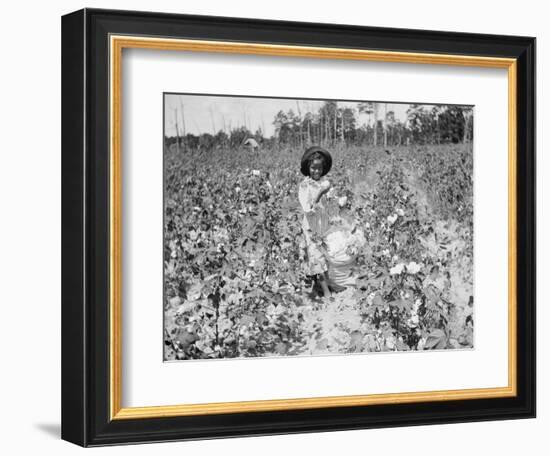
{"points": [[305, 200], [308, 199], [324, 189]]}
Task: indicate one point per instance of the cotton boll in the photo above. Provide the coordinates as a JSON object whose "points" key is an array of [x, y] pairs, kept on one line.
{"points": [[336, 242], [413, 268], [397, 269], [413, 322]]}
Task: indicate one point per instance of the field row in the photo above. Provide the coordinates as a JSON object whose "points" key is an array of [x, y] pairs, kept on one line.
{"points": [[235, 282]]}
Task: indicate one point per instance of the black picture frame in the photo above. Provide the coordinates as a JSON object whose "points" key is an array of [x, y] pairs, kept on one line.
{"points": [[86, 390]]}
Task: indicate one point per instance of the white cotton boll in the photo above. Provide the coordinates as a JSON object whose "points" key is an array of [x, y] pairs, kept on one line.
{"points": [[336, 242], [392, 219], [413, 268], [325, 184], [255, 172], [397, 269], [400, 212], [413, 321], [342, 201]]}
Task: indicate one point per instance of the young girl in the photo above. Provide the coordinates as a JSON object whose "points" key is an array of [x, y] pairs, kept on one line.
{"points": [[316, 163]]}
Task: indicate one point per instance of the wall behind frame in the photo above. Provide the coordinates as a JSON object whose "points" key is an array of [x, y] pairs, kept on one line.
{"points": [[30, 233]]}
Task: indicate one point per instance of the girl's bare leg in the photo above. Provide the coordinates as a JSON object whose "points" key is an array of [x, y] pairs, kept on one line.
{"points": [[324, 285]]}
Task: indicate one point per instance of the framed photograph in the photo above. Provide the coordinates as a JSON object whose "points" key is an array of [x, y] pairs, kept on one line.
{"points": [[277, 227]]}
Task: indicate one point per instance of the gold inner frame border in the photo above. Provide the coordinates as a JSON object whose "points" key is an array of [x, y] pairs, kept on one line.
{"points": [[117, 44]]}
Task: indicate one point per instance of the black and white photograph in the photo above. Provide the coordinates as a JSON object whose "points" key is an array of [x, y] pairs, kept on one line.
{"points": [[298, 227]]}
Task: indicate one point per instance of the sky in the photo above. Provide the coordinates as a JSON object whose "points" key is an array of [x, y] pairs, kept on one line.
{"points": [[210, 114]]}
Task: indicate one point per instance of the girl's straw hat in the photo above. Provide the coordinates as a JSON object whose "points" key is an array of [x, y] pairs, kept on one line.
{"points": [[309, 153]]}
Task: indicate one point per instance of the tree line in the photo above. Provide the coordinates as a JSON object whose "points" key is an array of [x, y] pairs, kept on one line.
{"points": [[333, 124]]}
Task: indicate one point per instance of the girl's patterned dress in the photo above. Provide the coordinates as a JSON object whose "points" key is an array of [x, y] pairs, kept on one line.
{"points": [[314, 224]]}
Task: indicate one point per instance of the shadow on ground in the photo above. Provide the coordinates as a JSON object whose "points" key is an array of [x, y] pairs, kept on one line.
{"points": [[52, 429]]}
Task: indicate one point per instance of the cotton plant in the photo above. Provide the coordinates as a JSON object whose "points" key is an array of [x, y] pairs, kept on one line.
{"points": [[237, 241]]}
